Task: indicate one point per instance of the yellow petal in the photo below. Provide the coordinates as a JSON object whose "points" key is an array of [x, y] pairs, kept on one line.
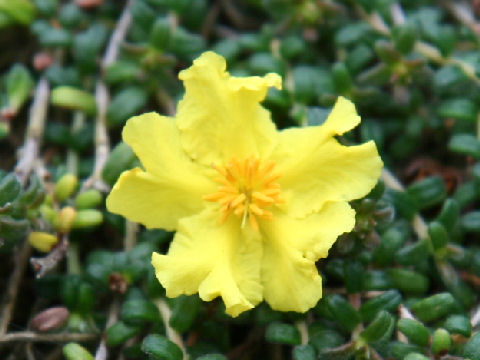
{"points": [[155, 140], [156, 201], [291, 247], [315, 168], [173, 185], [220, 116], [213, 259]]}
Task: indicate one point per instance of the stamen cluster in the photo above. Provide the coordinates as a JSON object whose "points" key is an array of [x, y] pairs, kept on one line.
{"points": [[246, 188]]}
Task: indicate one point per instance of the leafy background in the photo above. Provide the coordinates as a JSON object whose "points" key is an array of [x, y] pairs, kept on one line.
{"points": [[403, 285]]}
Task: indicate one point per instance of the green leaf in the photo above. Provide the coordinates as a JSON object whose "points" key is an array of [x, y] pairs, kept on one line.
{"points": [[19, 84], [121, 158], [471, 221], [13, 229], [125, 104], [459, 324], [461, 108], [9, 189], [414, 330], [472, 348], [73, 98], [438, 234], [158, 347], [408, 281], [303, 352], [119, 333], [465, 144], [379, 328], [413, 254], [138, 311], [389, 300], [212, 357], [428, 192], [344, 313], [160, 33], [184, 312], [434, 307], [282, 333]]}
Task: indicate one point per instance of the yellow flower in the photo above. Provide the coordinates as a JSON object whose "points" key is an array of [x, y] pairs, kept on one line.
{"points": [[253, 207]]}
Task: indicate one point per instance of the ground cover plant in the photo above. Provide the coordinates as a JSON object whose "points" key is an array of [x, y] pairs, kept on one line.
{"points": [[76, 277]]}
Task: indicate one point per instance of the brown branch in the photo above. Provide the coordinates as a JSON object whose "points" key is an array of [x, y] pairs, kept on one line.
{"points": [[12, 290], [45, 264], [102, 98], [27, 336], [36, 125]]}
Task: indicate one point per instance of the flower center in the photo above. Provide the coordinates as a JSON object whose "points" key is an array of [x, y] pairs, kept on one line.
{"points": [[246, 189]]}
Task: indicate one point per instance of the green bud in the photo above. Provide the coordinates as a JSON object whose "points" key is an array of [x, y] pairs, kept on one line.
{"points": [[414, 330], [48, 213], [282, 333], [22, 11], [159, 347], [434, 307], [65, 187], [73, 351], [42, 241], [87, 218], [441, 341], [65, 219], [73, 98], [415, 356], [88, 199]]}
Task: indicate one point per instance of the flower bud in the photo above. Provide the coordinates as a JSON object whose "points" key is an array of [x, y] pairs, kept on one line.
{"points": [[42, 241], [73, 351], [50, 319], [87, 218], [88, 199], [65, 187], [48, 213], [65, 219], [441, 341]]}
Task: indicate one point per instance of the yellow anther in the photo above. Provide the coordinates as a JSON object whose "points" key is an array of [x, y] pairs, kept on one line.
{"points": [[246, 188]]}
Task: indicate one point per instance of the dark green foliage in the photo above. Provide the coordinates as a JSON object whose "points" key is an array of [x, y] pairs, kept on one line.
{"points": [[410, 67]]}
